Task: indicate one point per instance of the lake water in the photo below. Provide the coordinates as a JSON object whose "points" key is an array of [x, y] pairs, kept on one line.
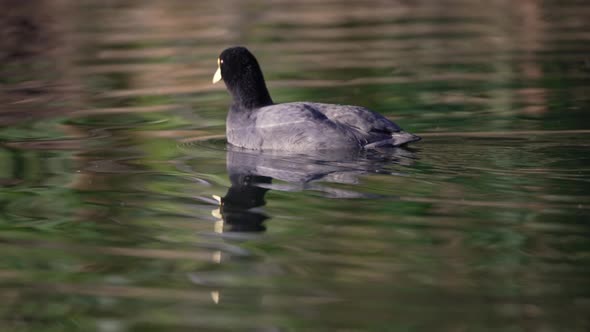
{"points": [[113, 160]]}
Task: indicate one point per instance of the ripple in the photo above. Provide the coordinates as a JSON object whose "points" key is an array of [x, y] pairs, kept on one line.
{"points": [[124, 208], [211, 142]]}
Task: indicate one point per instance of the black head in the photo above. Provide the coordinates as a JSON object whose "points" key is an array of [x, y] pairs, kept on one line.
{"points": [[243, 78]]}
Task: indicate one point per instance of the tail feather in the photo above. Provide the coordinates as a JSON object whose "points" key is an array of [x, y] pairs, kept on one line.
{"points": [[397, 139]]}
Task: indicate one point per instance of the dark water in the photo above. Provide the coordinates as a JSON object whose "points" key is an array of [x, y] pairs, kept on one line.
{"points": [[112, 162]]}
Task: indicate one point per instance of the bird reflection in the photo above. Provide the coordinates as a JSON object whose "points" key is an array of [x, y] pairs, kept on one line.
{"points": [[253, 173], [239, 206]]}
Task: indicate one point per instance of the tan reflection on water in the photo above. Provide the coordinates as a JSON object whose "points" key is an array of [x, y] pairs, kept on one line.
{"points": [[183, 67]]}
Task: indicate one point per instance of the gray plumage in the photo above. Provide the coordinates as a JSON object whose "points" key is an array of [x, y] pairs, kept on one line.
{"points": [[306, 126]]}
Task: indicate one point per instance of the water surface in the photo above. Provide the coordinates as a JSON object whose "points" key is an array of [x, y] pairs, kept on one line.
{"points": [[113, 165]]}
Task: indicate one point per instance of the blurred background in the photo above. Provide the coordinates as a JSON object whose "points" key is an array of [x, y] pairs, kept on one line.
{"points": [[113, 159]]}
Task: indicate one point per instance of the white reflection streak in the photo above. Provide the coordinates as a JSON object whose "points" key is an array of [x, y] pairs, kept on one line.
{"points": [[216, 213], [215, 296], [218, 228], [217, 257]]}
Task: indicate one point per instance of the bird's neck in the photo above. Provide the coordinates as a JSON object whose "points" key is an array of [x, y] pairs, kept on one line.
{"points": [[249, 99], [249, 89], [249, 96]]}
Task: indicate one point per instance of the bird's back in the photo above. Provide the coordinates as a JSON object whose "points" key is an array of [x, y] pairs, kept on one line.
{"points": [[291, 126]]}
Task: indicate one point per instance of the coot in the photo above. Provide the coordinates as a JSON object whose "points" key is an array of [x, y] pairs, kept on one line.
{"points": [[255, 122]]}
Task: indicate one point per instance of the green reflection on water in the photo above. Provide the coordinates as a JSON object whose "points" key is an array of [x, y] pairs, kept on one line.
{"points": [[112, 152]]}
